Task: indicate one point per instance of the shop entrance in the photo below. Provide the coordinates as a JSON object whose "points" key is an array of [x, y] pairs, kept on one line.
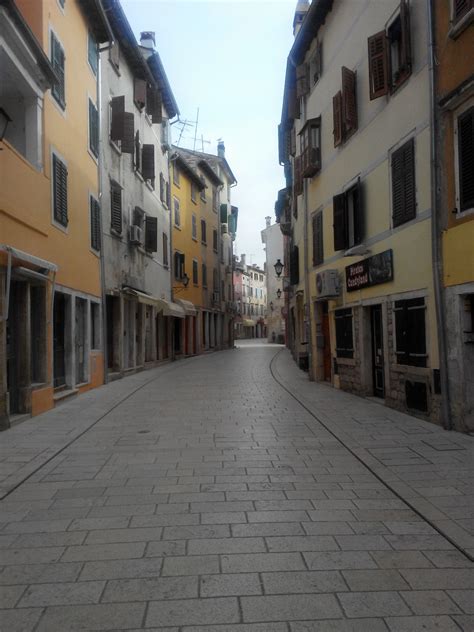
{"points": [[327, 343], [376, 326]]}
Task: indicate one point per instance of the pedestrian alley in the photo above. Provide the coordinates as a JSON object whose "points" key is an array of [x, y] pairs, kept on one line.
{"points": [[226, 493]]}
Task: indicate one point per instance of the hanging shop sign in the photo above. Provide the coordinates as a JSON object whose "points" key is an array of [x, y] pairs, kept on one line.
{"points": [[371, 271]]}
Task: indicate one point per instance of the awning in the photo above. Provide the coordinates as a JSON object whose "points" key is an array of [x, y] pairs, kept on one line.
{"points": [[188, 307], [248, 323], [170, 309], [146, 299]]}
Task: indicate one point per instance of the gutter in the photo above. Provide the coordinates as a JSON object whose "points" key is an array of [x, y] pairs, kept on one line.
{"points": [[436, 244]]}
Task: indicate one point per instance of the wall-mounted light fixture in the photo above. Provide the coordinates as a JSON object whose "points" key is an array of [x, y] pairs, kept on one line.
{"points": [[278, 293], [278, 268]]}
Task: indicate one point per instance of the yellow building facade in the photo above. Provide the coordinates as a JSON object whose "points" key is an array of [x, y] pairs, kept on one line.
{"points": [[49, 212]]}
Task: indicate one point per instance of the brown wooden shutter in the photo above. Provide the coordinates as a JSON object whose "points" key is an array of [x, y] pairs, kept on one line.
{"points": [[403, 184], [359, 224], [60, 191], [337, 116], [318, 256], [128, 135], [378, 65], [340, 222], [406, 61], [302, 80], [153, 103], [293, 104], [151, 233], [114, 55], [116, 208], [460, 8], [298, 179], [148, 162], [95, 224], [466, 159], [117, 107], [293, 141], [138, 153], [349, 99], [139, 92]]}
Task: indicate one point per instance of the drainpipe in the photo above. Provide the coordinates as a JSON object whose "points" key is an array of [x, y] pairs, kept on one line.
{"points": [[436, 233], [306, 284]]}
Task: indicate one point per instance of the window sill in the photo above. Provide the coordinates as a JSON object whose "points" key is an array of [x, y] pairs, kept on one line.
{"points": [[139, 175], [116, 234], [463, 214], [93, 156], [458, 27], [61, 227], [148, 119], [115, 147], [345, 361], [194, 239], [149, 186], [177, 226]]}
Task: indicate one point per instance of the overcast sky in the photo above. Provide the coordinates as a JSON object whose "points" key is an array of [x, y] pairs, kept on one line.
{"points": [[228, 59]]}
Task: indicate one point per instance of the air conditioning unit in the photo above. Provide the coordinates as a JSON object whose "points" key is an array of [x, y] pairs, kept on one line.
{"points": [[136, 235], [166, 134], [327, 284]]}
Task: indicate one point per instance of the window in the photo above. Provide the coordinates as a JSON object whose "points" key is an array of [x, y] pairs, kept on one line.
{"points": [[95, 223], [175, 174], [344, 106], [403, 183], [177, 213], [316, 64], [153, 103], [151, 233], [116, 207], [194, 226], [139, 93], [310, 146], [214, 240], [95, 325], [203, 190], [138, 153], [461, 8], [60, 191], [58, 89], [348, 218], [193, 192], [204, 275], [465, 160], [410, 332], [93, 129], [344, 340], [114, 56], [62, 3], [390, 59], [294, 266], [122, 126], [203, 232], [318, 254], [148, 163], [215, 285], [195, 272], [179, 265], [165, 250], [92, 53], [214, 199]]}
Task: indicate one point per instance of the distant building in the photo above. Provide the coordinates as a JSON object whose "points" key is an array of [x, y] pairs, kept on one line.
{"points": [[276, 323], [250, 299]]}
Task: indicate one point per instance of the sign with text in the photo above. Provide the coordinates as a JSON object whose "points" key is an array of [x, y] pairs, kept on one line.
{"points": [[371, 271]]}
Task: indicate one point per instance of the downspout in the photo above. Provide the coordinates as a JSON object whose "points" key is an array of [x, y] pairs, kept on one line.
{"points": [[436, 234], [307, 306]]}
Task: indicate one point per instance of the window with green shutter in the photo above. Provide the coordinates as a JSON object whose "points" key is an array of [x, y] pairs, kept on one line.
{"points": [[93, 129], [58, 60], [95, 224], [60, 191]]}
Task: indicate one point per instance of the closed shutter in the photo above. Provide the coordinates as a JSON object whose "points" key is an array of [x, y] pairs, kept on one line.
{"points": [[460, 8], [224, 213], [93, 129], [162, 188], [153, 104], [203, 231], [337, 116], [139, 92], [148, 162], [359, 228], [195, 273], [128, 136], [95, 224], [298, 179], [165, 249], [117, 109], [114, 55], [294, 266], [60, 191], [293, 141], [406, 60], [340, 222], [151, 233], [466, 159], [58, 63], [116, 208], [349, 100], [168, 195], [302, 80], [318, 254], [403, 184], [378, 65]]}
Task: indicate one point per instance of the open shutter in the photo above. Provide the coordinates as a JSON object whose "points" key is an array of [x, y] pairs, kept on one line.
{"points": [[128, 134], [117, 107], [406, 60], [93, 129], [293, 141], [337, 116], [349, 99], [168, 195], [466, 159], [153, 103], [358, 202], [95, 224], [116, 208], [340, 222], [318, 256], [293, 104], [148, 162], [302, 80], [460, 8], [114, 55], [151, 233], [162, 188], [60, 191], [378, 65], [139, 92]]}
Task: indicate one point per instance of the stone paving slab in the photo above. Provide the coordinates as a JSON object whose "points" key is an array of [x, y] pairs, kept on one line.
{"points": [[218, 503]]}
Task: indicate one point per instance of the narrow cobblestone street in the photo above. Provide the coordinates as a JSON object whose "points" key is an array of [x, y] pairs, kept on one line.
{"points": [[212, 499]]}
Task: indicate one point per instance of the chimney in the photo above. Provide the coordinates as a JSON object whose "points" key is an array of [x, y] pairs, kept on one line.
{"points": [[242, 260], [268, 221], [221, 149], [147, 39]]}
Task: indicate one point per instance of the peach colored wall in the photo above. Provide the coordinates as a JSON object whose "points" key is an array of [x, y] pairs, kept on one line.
{"points": [[42, 400], [96, 360]]}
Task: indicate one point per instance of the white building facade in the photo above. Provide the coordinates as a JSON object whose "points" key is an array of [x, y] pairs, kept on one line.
{"points": [[273, 239]]}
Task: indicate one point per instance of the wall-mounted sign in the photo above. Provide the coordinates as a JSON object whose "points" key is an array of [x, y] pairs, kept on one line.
{"points": [[371, 271]]}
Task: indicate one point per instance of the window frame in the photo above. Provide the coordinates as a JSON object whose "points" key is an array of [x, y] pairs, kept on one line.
{"points": [[176, 212], [58, 98], [408, 307], [345, 319], [458, 114], [90, 38]]}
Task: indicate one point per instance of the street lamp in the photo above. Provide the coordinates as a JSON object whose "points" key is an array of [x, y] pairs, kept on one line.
{"points": [[271, 306], [278, 268], [278, 293], [4, 120]]}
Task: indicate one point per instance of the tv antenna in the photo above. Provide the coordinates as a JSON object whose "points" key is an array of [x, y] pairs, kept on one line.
{"points": [[184, 124]]}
